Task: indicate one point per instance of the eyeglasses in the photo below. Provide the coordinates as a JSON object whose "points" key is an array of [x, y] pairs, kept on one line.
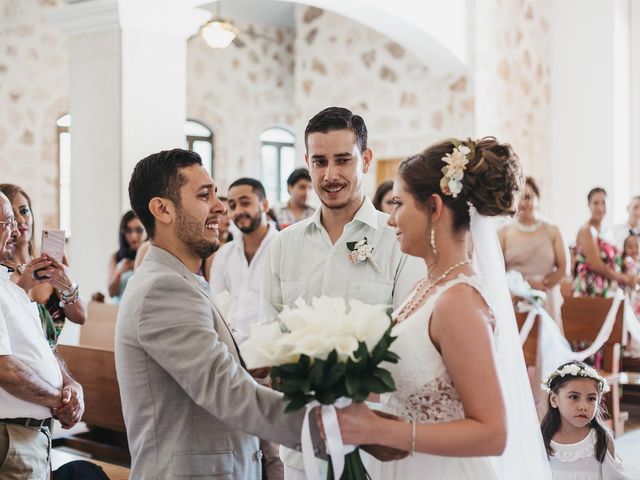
{"points": [[138, 230], [11, 223]]}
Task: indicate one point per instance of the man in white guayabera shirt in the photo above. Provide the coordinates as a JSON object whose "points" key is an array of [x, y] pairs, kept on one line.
{"points": [[34, 386], [237, 266], [311, 258], [237, 269]]}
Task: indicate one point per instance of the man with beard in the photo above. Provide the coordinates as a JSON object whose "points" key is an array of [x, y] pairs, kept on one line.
{"points": [[34, 385], [238, 269], [312, 257], [190, 408], [238, 266]]}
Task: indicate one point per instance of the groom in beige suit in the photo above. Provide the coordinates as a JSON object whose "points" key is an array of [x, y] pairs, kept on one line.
{"points": [[190, 407]]}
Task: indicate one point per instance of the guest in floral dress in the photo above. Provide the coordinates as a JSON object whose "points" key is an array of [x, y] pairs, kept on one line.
{"points": [[631, 266], [598, 270]]}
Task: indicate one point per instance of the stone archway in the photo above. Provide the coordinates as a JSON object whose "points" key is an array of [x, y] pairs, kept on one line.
{"points": [[435, 32]]}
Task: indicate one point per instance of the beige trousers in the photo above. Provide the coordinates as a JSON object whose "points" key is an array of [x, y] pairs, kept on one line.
{"points": [[24, 452]]}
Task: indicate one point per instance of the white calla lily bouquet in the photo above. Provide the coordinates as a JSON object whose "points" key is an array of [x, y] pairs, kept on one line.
{"points": [[327, 353]]}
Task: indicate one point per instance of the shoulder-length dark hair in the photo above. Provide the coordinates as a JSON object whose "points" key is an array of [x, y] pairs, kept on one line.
{"points": [[124, 249], [381, 191], [11, 191], [551, 422]]}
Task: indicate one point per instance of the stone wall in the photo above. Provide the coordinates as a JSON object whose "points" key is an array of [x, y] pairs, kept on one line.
{"points": [[512, 82], [239, 92], [405, 104], [34, 92], [280, 77]]}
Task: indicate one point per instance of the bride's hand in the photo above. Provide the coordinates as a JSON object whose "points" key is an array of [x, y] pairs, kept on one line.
{"points": [[356, 423]]}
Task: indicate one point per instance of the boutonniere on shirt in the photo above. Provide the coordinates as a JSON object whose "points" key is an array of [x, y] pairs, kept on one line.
{"points": [[361, 252]]}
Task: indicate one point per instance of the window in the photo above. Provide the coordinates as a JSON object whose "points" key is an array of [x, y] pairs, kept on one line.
{"points": [[199, 138], [277, 161], [64, 173]]}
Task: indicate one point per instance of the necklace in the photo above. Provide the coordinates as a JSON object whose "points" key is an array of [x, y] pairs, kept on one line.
{"points": [[421, 292], [527, 228]]}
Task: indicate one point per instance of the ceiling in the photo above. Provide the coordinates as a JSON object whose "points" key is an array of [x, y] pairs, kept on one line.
{"points": [[269, 12]]}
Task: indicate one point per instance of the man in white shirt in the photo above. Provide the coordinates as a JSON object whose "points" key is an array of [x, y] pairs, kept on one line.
{"points": [[311, 258], [34, 386], [631, 226], [237, 267]]}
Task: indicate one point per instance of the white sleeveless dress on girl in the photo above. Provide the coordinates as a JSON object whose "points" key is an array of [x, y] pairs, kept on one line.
{"points": [[577, 461], [425, 394]]}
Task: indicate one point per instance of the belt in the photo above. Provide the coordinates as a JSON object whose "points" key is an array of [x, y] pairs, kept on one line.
{"points": [[29, 422]]}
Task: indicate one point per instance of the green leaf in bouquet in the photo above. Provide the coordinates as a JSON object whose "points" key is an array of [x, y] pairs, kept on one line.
{"points": [[293, 368], [385, 377], [352, 383], [295, 384], [379, 352], [296, 401], [372, 384], [362, 353], [317, 373], [327, 397], [391, 357], [333, 375]]}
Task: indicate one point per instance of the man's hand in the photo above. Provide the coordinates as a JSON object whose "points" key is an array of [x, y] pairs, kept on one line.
{"points": [[72, 405], [260, 373]]}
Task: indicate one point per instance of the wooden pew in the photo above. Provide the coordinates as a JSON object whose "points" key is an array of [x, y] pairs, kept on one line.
{"points": [[95, 370], [92, 364], [582, 319], [100, 327]]}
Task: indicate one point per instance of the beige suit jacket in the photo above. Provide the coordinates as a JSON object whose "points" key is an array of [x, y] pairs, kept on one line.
{"points": [[191, 409]]}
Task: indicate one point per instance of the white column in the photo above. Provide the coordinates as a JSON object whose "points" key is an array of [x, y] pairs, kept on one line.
{"points": [[635, 97], [128, 100], [590, 112]]}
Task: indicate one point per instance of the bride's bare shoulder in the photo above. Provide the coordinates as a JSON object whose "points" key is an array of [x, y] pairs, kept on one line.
{"points": [[462, 304]]}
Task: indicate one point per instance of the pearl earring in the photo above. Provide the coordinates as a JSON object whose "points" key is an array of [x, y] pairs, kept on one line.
{"points": [[433, 240]]}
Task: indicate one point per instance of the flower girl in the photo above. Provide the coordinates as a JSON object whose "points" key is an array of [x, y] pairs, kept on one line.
{"points": [[578, 444]]}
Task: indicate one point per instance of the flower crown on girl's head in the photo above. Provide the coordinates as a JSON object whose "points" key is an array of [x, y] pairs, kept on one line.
{"points": [[575, 370]]}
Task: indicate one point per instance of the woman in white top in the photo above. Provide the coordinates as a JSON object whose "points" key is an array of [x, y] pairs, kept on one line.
{"points": [[579, 446]]}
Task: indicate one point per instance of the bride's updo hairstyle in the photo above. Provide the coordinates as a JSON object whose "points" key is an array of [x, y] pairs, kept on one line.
{"points": [[490, 182]]}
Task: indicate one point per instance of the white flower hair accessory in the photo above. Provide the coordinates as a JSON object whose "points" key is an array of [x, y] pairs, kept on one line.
{"points": [[575, 370], [453, 171]]}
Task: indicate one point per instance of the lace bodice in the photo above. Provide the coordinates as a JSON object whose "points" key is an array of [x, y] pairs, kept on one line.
{"points": [[425, 392]]}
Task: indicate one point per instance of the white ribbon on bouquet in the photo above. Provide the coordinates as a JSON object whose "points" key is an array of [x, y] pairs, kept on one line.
{"points": [[335, 448]]}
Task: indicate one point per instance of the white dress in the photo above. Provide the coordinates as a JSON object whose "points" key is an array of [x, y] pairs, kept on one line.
{"points": [[577, 461], [426, 394]]}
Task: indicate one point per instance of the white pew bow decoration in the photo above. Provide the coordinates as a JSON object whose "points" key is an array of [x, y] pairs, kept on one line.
{"points": [[519, 287]]}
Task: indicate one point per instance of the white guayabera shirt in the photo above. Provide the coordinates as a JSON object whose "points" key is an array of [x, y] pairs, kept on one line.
{"points": [[303, 262], [231, 271]]}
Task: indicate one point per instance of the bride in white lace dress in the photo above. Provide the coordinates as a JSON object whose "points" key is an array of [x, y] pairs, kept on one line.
{"points": [[452, 414]]}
